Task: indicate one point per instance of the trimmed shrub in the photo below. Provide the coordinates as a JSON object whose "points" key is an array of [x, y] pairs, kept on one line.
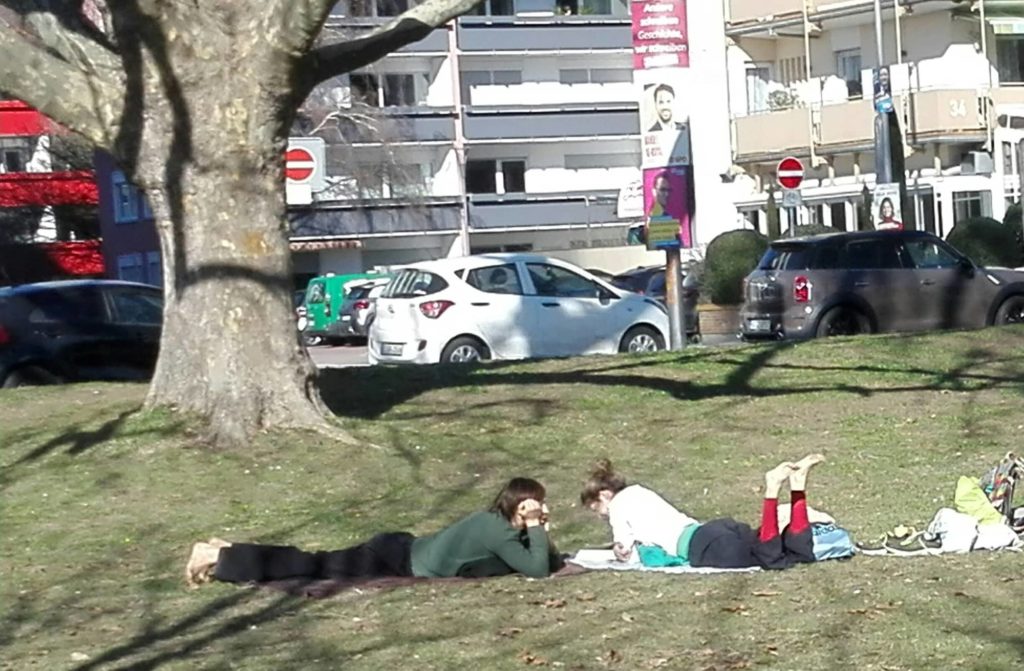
{"points": [[987, 241], [1013, 221], [730, 257]]}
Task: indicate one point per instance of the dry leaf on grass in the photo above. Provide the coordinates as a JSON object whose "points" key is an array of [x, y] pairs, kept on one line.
{"points": [[610, 657], [738, 608], [766, 593], [656, 663], [549, 603], [509, 632], [586, 596], [626, 617], [530, 659]]}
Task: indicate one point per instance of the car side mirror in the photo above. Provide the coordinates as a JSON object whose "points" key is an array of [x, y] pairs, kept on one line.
{"points": [[966, 266], [605, 296]]}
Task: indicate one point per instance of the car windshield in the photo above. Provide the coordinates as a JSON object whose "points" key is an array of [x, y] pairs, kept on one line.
{"points": [[413, 283]]}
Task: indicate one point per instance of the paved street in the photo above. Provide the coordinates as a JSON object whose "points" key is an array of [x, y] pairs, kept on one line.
{"points": [[343, 357]]}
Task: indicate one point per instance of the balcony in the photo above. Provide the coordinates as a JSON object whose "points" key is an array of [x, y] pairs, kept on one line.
{"points": [[401, 125], [773, 134], [376, 217], [741, 11], [501, 123], [510, 211], [435, 43], [946, 115], [482, 34]]}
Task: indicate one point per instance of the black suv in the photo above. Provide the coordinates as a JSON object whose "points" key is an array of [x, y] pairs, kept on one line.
{"points": [[850, 283], [78, 330]]}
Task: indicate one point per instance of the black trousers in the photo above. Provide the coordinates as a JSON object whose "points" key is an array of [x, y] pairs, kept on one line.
{"points": [[384, 555], [726, 543]]}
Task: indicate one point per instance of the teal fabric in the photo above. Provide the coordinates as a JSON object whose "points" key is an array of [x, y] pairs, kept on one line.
{"points": [[655, 556], [683, 544]]}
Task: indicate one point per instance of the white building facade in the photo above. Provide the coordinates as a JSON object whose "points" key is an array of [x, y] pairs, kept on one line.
{"points": [[515, 129]]}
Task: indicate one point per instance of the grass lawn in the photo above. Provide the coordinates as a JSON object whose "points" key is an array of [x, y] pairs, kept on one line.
{"points": [[100, 506]]}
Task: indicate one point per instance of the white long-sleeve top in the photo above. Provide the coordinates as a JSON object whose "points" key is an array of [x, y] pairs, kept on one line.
{"points": [[640, 515]]}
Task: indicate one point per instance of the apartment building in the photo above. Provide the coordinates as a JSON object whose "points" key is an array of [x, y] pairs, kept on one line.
{"points": [[800, 83], [509, 130]]}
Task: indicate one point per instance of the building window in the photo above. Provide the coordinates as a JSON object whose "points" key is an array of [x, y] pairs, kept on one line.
{"points": [[838, 214], [15, 153], [130, 268], [126, 199], [496, 176], [971, 204], [374, 8], [758, 77], [1007, 158], [387, 90], [848, 68], [752, 217], [399, 91], [154, 269], [1010, 56]]}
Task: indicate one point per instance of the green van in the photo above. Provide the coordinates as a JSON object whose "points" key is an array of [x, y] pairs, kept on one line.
{"points": [[325, 297]]}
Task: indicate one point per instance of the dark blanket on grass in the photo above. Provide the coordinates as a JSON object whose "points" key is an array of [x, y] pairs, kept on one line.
{"points": [[322, 589]]}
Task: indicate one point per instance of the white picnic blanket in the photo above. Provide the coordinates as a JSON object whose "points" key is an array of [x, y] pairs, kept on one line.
{"points": [[602, 560]]}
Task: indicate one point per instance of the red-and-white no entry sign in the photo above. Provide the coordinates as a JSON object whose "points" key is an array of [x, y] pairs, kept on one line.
{"points": [[299, 164], [790, 173]]}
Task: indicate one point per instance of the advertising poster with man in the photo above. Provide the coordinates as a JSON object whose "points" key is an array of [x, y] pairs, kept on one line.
{"points": [[667, 207], [664, 118], [886, 212]]}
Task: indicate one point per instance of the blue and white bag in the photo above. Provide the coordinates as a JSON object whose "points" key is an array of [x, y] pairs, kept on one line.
{"points": [[831, 542]]}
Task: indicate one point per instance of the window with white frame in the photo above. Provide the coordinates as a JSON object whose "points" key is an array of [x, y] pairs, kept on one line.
{"points": [[758, 77], [848, 67], [971, 204], [126, 199]]}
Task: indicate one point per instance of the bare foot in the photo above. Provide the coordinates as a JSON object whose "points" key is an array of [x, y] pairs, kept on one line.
{"points": [[798, 478], [774, 478]]}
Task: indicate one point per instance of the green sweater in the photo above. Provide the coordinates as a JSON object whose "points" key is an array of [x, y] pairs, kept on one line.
{"points": [[481, 545]]}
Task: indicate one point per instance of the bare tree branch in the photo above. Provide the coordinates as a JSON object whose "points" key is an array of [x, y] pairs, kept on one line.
{"points": [[334, 59], [88, 103]]}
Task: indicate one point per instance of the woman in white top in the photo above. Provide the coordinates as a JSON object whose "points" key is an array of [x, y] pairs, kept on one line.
{"points": [[639, 515]]}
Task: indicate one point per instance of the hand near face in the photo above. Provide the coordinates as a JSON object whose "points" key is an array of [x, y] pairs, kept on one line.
{"points": [[531, 511]]}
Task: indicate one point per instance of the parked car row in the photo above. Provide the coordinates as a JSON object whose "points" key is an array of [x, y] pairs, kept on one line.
{"points": [[650, 281], [508, 306], [337, 308]]}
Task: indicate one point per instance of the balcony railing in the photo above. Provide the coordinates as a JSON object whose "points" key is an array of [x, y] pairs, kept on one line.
{"points": [[925, 116]]}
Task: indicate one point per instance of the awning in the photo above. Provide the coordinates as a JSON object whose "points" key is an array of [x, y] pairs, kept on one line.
{"points": [[21, 189]]}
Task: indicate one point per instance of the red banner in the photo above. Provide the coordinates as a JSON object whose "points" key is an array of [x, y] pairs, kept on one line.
{"points": [[660, 37]]}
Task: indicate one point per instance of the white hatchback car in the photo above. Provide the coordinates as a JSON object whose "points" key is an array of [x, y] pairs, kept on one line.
{"points": [[508, 306]]}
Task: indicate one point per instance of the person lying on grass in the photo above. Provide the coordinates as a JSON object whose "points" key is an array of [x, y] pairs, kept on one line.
{"points": [[638, 515], [510, 537]]}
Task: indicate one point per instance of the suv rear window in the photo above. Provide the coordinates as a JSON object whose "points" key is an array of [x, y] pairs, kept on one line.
{"points": [[414, 283], [792, 257]]}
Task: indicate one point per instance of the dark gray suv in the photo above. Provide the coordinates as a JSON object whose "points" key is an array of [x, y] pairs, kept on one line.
{"points": [[850, 283]]}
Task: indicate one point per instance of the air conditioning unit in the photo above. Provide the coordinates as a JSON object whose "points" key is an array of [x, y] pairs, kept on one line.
{"points": [[976, 163]]}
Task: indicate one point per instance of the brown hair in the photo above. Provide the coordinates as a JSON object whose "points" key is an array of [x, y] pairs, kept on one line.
{"points": [[515, 492], [601, 477]]}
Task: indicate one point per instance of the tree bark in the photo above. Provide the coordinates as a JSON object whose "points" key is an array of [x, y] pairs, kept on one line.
{"points": [[211, 163]]}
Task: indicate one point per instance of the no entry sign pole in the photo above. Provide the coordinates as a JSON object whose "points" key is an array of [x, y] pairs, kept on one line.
{"points": [[790, 174]]}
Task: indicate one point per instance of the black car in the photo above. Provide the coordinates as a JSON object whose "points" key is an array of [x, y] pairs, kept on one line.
{"points": [[650, 281], [76, 330]]}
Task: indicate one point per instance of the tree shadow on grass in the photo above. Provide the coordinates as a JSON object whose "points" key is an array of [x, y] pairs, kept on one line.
{"points": [[370, 393]]}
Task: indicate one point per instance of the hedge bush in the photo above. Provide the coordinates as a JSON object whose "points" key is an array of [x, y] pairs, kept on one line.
{"points": [[987, 241], [730, 257]]}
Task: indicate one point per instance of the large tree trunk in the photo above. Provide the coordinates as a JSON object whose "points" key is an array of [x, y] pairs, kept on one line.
{"points": [[230, 351]]}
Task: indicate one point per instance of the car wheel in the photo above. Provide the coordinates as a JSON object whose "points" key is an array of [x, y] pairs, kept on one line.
{"points": [[642, 340], [30, 376], [1011, 311], [843, 321], [464, 350]]}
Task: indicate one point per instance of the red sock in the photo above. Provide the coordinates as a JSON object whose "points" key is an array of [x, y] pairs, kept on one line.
{"points": [[769, 520], [798, 521]]}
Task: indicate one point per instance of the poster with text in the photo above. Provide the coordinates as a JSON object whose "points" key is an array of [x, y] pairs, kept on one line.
{"points": [[660, 37], [886, 213], [667, 208], [664, 117]]}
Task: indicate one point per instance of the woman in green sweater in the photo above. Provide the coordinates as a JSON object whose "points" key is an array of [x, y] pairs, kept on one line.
{"points": [[510, 537]]}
